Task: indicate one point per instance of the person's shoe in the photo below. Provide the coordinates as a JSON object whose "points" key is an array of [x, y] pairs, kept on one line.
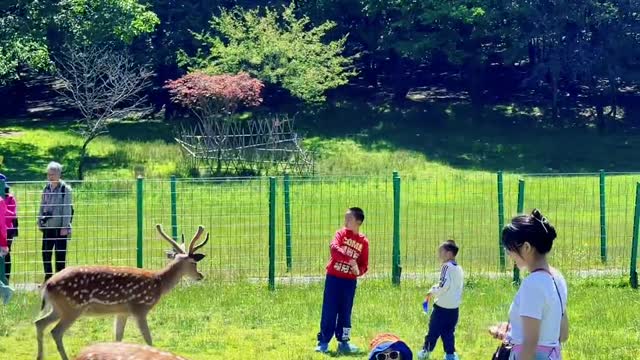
{"points": [[423, 355], [345, 347], [6, 293], [451, 357], [322, 348]]}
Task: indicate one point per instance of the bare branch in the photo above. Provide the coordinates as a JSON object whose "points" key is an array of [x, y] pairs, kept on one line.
{"points": [[104, 85]]}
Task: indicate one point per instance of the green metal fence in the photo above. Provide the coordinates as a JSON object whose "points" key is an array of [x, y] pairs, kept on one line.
{"points": [[276, 230]]}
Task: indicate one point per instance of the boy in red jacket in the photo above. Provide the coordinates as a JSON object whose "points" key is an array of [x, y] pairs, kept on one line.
{"points": [[349, 259]]}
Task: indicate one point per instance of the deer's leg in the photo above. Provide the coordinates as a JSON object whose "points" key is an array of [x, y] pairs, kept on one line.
{"points": [[121, 321], [58, 332], [41, 325], [144, 327]]}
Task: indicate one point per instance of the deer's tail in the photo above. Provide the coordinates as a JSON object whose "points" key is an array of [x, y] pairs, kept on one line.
{"points": [[46, 287]]}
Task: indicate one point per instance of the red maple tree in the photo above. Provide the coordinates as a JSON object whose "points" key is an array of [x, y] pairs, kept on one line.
{"points": [[212, 95]]}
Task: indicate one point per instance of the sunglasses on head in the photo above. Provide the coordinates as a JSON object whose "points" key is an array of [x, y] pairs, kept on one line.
{"points": [[393, 355]]}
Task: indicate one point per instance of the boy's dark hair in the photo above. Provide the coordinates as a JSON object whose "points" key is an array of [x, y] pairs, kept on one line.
{"points": [[534, 229], [450, 246], [357, 213]]}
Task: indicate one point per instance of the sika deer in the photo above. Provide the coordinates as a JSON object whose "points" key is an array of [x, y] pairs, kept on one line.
{"points": [[122, 291], [120, 351]]}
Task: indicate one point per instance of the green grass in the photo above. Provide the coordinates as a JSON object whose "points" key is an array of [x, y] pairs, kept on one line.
{"points": [[448, 190], [242, 321], [461, 206], [235, 212], [348, 138]]}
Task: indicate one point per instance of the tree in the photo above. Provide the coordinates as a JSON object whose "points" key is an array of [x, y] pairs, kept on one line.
{"points": [[20, 42], [455, 32], [104, 21], [30, 29], [277, 48], [105, 86], [614, 47], [214, 99]]}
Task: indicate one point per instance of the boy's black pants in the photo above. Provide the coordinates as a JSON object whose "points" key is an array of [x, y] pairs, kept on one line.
{"points": [[442, 325]]}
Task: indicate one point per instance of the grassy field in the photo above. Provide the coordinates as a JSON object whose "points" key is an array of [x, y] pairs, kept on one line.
{"points": [[448, 190], [437, 202], [242, 321]]}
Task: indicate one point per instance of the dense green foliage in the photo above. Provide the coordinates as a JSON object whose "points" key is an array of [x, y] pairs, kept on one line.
{"points": [[277, 48], [551, 52]]}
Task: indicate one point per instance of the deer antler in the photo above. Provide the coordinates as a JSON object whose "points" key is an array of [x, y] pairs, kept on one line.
{"points": [[195, 238], [173, 243], [201, 244]]}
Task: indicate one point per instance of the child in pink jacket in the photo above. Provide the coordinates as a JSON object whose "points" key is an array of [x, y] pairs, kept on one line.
{"points": [[5, 291]]}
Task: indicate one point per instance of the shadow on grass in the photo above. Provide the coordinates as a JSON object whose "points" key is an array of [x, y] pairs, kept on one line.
{"points": [[507, 137], [26, 162], [491, 139]]}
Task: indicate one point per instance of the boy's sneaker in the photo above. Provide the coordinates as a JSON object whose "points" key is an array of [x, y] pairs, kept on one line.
{"points": [[451, 357], [423, 355], [322, 347], [345, 347]]}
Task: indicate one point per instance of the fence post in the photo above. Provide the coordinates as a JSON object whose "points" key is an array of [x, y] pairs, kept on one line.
{"points": [[396, 270], [272, 233], [3, 276], [520, 210], [174, 209], [634, 243], [501, 219], [140, 219], [603, 219], [287, 219]]}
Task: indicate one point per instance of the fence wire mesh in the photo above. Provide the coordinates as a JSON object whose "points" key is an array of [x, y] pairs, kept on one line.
{"points": [[235, 212]]}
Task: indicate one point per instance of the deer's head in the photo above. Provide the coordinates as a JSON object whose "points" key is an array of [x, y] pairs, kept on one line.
{"points": [[186, 260]]}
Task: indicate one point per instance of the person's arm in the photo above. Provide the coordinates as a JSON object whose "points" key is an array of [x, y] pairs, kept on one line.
{"points": [[42, 196], [337, 252], [12, 207], [564, 325], [363, 259], [3, 228], [564, 329], [66, 208], [444, 284], [530, 310], [531, 330]]}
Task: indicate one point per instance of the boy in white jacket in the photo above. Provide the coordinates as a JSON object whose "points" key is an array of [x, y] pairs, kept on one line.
{"points": [[448, 296]]}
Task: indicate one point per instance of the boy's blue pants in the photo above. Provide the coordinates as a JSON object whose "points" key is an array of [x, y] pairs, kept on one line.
{"points": [[337, 304]]}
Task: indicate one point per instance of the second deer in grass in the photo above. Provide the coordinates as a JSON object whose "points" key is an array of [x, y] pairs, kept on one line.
{"points": [[121, 351], [121, 291]]}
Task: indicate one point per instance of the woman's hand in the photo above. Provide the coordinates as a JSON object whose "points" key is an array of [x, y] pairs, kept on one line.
{"points": [[499, 331], [64, 232], [4, 250]]}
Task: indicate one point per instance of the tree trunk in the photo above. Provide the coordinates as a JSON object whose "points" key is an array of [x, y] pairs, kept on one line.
{"points": [[613, 99], [83, 155], [601, 122], [476, 73], [554, 96], [399, 84], [219, 162]]}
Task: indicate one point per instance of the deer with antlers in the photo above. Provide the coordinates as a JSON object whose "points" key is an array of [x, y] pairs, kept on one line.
{"points": [[121, 291], [121, 351]]}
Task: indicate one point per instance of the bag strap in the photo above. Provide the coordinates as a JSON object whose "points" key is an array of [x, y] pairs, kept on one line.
{"points": [[555, 284]]}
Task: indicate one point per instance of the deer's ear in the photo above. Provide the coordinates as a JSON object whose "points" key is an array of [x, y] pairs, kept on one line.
{"points": [[171, 254], [197, 257]]}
